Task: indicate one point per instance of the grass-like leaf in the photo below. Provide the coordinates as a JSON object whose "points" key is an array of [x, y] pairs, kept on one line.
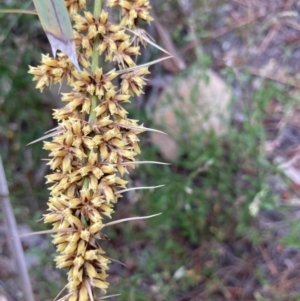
{"points": [[56, 22]]}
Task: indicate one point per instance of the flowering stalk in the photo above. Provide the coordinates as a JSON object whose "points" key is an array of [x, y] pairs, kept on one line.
{"points": [[95, 143]]}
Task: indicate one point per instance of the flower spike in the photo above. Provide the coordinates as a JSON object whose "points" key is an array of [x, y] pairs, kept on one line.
{"points": [[94, 143]]}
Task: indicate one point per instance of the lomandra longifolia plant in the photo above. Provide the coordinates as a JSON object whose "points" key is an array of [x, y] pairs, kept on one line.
{"points": [[95, 142]]}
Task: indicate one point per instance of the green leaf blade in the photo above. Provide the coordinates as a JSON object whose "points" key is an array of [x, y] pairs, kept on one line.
{"points": [[56, 23]]}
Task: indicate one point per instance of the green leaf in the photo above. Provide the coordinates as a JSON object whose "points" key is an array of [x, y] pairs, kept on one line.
{"points": [[18, 11], [56, 22]]}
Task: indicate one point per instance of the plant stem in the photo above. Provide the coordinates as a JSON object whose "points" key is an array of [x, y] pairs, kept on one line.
{"points": [[13, 237], [95, 55], [95, 59], [95, 64], [97, 8]]}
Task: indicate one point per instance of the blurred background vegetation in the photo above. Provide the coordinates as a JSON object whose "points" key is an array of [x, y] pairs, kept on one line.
{"points": [[229, 102]]}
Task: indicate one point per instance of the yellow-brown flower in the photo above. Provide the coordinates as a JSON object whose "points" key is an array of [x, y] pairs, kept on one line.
{"points": [[52, 71], [132, 10], [74, 5]]}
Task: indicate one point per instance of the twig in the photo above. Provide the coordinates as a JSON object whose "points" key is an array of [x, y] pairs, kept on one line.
{"points": [[235, 26], [292, 24], [218, 33], [177, 61], [268, 261], [268, 39], [281, 79], [12, 231]]}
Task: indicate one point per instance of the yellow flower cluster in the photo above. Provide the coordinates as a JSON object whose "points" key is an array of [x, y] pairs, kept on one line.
{"points": [[95, 143], [74, 5], [132, 11]]}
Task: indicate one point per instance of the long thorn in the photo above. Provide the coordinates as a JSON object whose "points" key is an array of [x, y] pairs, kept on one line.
{"points": [[46, 136], [130, 219], [140, 128], [64, 297], [106, 297], [148, 41], [51, 130], [117, 261], [89, 289], [137, 188], [55, 299], [45, 232], [144, 162], [143, 65]]}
